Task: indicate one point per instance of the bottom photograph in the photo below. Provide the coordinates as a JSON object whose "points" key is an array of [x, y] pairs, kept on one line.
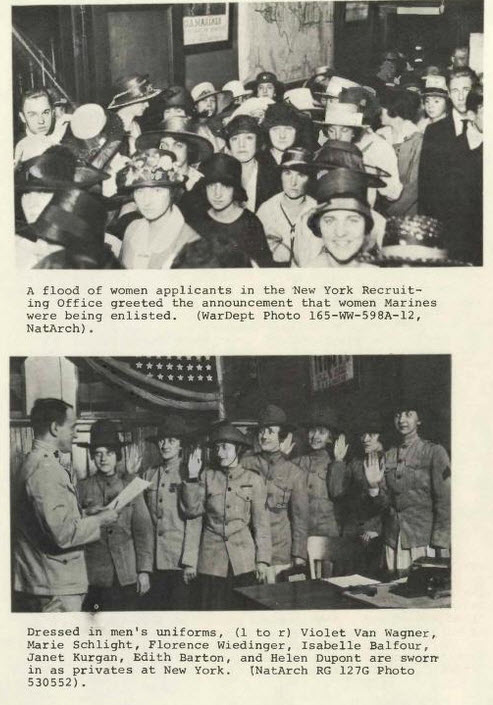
{"points": [[230, 483]]}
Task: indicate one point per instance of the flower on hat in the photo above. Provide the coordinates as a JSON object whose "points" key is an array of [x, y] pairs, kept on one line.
{"points": [[152, 165]]}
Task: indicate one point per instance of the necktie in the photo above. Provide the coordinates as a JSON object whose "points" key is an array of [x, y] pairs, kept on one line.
{"points": [[465, 123]]}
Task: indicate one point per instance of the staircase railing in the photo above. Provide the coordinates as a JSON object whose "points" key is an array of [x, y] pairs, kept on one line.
{"points": [[39, 61]]}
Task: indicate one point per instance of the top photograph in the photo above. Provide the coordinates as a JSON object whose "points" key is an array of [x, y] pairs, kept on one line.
{"points": [[241, 135]]}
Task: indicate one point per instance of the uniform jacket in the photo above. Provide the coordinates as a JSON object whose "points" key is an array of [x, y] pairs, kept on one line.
{"points": [[416, 496], [49, 530], [325, 486], [125, 548], [176, 538], [287, 502], [357, 513], [236, 523]]}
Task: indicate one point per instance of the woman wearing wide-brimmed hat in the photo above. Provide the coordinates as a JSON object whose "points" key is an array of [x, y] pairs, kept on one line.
{"points": [[235, 550], [412, 488], [333, 155], [130, 101], [120, 562], [377, 152], [267, 85], [175, 538], [342, 220], [234, 233], [66, 214], [280, 125], [259, 179], [281, 214], [155, 240], [209, 103], [178, 135]]}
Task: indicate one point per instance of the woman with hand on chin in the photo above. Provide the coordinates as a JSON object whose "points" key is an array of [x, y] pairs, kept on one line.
{"points": [[236, 542]]}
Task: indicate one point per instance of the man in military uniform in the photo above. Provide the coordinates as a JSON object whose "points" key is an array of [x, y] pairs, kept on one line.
{"points": [[287, 497], [49, 530]]}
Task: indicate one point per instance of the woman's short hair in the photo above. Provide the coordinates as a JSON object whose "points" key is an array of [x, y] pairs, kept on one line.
{"points": [[402, 103], [474, 99], [314, 222]]}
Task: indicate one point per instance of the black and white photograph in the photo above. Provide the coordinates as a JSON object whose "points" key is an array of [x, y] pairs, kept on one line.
{"points": [[245, 135], [230, 483]]}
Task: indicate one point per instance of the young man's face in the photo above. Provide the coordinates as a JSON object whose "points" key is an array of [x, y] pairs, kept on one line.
{"points": [[220, 196], [318, 437], [152, 202], [406, 422], [282, 137], [178, 148], [105, 460], [243, 146], [343, 234], [169, 448], [37, 115], [294, 183], [65, 433], [268, 438], [371, 442], [226, 454], [435, 106], [459, 90]]}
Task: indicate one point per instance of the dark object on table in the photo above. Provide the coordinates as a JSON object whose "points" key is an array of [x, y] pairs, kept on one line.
{"points": [[427, 577]]}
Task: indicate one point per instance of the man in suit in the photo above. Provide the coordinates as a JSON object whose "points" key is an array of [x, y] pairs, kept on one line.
{"points": [[441, 175], [49, 529]]}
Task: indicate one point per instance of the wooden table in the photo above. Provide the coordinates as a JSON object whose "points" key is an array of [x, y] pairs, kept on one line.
{"points": [[298, 595], [320, 595]]}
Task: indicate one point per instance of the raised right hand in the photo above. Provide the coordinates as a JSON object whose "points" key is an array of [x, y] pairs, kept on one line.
{"points": [[374, 469]]}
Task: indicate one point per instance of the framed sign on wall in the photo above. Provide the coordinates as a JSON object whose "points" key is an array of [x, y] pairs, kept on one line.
{"points": [[207, 26]]}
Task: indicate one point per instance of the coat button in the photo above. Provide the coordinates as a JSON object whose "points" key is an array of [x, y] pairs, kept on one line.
{"points": [[162, 484], [160, 532], [228, 506], [161, 500], [110, 531], [229, 489]]}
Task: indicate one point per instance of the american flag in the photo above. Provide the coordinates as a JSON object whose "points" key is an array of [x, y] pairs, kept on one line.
{"points": [[187, 383], [194, 373]]}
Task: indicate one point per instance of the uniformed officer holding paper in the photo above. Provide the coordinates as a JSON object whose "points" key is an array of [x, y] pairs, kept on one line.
{"points": [[49, 529]]}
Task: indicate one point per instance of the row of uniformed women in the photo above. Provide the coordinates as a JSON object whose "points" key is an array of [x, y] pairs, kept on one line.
{"points": [[198, 533]]}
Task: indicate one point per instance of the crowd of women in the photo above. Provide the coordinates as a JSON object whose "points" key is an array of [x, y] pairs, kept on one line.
{"points": [[235, 505], [384, 170]]}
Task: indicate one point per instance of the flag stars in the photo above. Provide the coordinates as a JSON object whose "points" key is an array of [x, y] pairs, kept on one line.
{"points": [[171, 378], [189, 367], [160, 376], [190, 378], [209, 378], [149, 365], [159, 366], [179, 367], [138, 365], [169, 366]]}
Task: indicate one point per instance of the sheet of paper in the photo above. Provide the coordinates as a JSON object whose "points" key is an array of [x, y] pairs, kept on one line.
{"points": [[130, 492]]}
